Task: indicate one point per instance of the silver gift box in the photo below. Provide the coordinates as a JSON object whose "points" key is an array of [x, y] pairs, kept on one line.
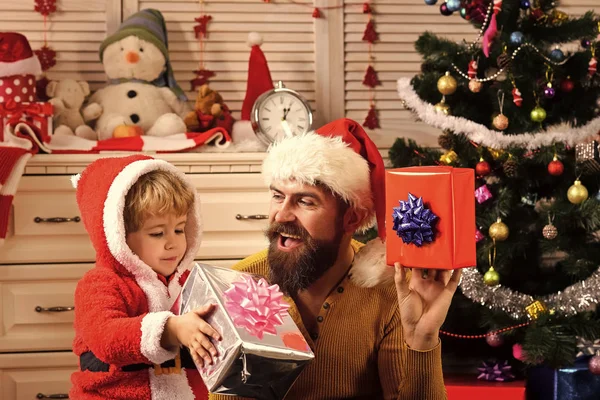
{"points": [[587, 156], [247, 366]]}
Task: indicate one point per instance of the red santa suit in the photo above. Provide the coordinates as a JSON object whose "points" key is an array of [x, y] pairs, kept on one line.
{"points": [[122, 305]]}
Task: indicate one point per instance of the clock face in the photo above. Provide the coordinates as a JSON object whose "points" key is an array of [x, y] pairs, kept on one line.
{"points": [[282, 114]]}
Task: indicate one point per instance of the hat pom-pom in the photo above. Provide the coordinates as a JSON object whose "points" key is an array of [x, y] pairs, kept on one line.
{"points": [[75, 180], [254, 39]]}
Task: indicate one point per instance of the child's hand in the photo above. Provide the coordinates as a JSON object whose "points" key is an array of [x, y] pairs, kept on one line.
{"points": [[192, 331]]}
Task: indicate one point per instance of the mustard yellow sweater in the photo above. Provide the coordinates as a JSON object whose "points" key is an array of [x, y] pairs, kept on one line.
{"points": [[358, 346]]}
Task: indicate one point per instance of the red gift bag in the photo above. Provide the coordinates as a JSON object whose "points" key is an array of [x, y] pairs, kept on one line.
{"points": [[449, 194]]}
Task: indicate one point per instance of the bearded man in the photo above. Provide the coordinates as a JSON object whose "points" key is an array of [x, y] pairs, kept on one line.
{"points": [[374, 337]]}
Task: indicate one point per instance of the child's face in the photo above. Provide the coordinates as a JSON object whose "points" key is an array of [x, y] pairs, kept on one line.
{"points": [[160, 242]]}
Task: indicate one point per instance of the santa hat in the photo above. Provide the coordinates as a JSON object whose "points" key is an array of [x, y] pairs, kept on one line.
{"points": [[259, 76], [148, 25], [101, 191], [339, 155], [16, 57]]}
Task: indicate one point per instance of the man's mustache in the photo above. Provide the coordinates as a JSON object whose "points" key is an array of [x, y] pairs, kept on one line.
{"points": [[277, 228]]}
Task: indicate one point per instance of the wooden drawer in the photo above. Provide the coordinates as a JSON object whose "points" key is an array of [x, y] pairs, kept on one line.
{"points": [[36, 307], [31, 376], [224, 197]]}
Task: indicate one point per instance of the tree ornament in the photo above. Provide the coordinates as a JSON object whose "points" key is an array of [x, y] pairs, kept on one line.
{"points": [[567, 85], [587, 347], [483, 167], [499, 230], [517, 38], [491, 277], [592, 66], [518, 352], [585, 43], [316, 13], [45, 7], [478, 236], [447, 84], [482, 194], [367, 7], [525, 4], [494, 340], [549, 91], [444, 10], [587, 156], [594, 365], [472, 71], [200, 29], [503, 61], [557, 55], [549, 231], [47, 57], [538, 114], [453, 5], [371, 79], [464, 14], [442, 107], [535, 309], [517, 97], [500, 121], [495, 153], [510, 168], [556, 167], [449, 157], [446, 140], [577, 193], [495, 372], [371, 121], [370, 35], [475, 86], [557, 17]]}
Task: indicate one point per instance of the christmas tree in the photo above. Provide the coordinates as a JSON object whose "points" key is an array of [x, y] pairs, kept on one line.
{"points": [[519, 104]]}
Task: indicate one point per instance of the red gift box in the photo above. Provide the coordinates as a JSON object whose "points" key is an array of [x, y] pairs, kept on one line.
{"points": [[449, 193], [37, 115], [472, 389]]}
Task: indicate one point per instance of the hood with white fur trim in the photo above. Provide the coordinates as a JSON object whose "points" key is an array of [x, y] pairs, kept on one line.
{"points": [[101, 191], [370, 268]]}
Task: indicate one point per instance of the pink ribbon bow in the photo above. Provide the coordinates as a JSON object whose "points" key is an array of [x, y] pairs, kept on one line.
{"points": [[255, 306]]}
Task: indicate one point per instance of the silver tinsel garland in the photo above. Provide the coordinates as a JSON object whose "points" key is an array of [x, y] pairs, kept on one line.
{"points": [[579, 297]]}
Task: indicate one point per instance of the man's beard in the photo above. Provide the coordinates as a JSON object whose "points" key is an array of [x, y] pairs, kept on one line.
{"points": [[298, 269]]}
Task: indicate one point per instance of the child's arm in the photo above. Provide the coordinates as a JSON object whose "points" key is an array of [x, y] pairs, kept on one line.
{"points": [[105, 326]]}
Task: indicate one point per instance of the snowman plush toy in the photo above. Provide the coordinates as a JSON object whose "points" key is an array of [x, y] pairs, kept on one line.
{"points": [[142, 96]]}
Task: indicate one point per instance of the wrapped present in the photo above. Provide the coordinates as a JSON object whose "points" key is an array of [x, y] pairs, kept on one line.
{"points": [[430, 217], [467, 387], [36, 115], [587, 156], [570, 383], [262, 351]]}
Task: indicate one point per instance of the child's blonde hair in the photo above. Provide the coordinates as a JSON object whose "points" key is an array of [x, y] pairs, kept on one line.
{"points": [[156, 193]]}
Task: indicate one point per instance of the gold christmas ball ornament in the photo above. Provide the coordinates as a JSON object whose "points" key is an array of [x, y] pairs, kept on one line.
{"points": [[499, 231], [491, 277], [449, 157], [442, 107], [538, 114], [495, 153], [500, 122], [447, 84], [577, 193], [550, 232], [475, 86]]}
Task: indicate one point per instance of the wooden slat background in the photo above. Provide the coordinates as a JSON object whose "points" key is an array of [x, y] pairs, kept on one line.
{"points": [[291, 47]]}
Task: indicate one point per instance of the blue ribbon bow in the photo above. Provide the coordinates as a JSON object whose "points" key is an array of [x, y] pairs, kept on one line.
{"points": [[413, 222]]}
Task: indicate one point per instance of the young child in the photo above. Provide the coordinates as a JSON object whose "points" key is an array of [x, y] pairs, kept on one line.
{"points": [[143, 218]]}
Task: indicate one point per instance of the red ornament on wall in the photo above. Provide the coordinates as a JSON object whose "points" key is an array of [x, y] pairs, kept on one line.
{"points": [[202, 77], [370, 35], [45, 7], [47, 57], [371, 79], [371, 122], [200, 29], [316, 13], [367, 8]]}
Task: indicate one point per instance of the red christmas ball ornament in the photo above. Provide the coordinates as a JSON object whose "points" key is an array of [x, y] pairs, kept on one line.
{"points": [[594, 365], [483, 168], [494, 340], [567, 85], [556, 167]]}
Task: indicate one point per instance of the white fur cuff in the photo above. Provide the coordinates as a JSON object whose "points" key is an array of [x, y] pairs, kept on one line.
{"points": [[153, 325]]}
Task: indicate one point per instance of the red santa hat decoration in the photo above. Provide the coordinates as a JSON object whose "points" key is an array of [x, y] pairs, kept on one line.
{"points": [[19, 67]]}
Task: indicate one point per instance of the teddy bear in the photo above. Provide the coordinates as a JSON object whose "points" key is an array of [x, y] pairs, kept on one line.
{"points": [[67, 96], [209, 112], [142, 95]]}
